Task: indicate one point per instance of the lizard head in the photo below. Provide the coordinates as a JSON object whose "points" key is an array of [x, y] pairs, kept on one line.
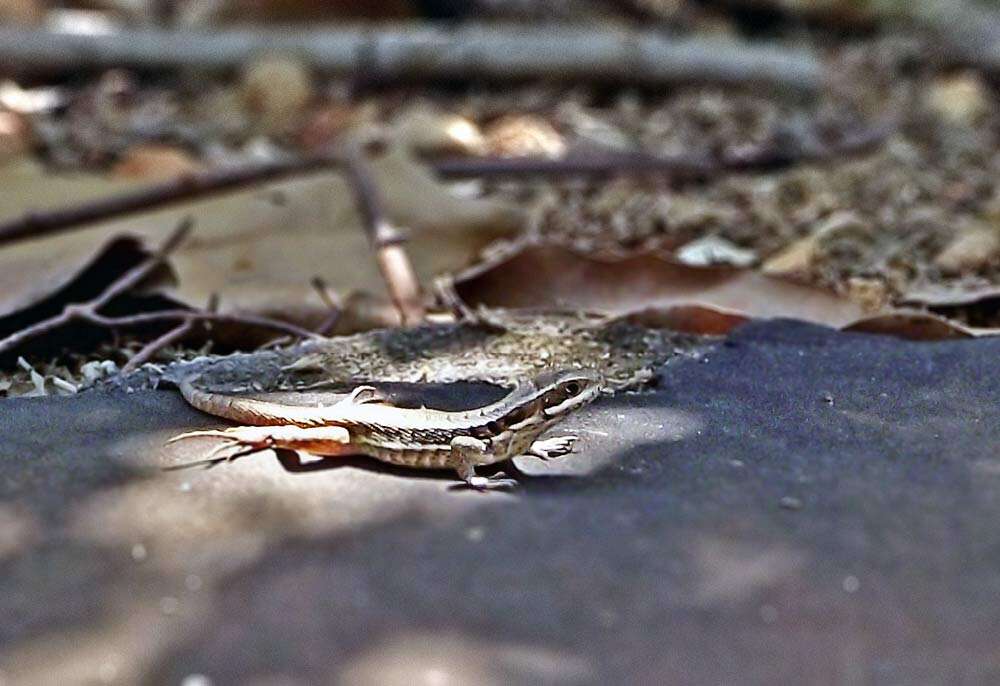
{"points": [[564, 391]]}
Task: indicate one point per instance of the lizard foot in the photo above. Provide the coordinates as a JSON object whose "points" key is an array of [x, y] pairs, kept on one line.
{"points": [[486, 483], [552, 447]]}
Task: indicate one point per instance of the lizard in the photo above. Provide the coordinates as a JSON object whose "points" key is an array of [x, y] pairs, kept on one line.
{"points": [[363, 424]]}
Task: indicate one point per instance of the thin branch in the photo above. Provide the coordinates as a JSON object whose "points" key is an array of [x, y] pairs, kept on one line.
{"points": [[677, 167], [333, 303], [386, 240], [194, 186], [175, 335], [197, 315], [190, 186], [420, 52]]}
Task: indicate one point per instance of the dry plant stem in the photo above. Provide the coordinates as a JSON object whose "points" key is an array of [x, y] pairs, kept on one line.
{"points": [[190, 186], [43, 223], [175, 335], [392, 260], [332, 301], [421, 52], [677, 168]]}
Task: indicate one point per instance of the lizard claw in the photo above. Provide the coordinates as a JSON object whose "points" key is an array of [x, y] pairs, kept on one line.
{"points": [[205, 433]]}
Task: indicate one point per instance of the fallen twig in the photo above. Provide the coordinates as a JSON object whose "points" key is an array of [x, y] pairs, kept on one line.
{"points": [[332, 300], [677, 168], [393, 262], [611, 163], [423, 52], [43, 223], [175, 335]]}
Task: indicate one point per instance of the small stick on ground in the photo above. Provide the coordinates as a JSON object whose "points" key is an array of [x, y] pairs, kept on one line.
{"points": [[175, 335], [386, 240], [611, 163], [188, 187], [332, 301]]}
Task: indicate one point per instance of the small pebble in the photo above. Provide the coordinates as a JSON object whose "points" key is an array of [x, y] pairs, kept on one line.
{"points": [[768, 614], [196, 680], [139, 552], [169, 605], [790, 503], [851, 584]]}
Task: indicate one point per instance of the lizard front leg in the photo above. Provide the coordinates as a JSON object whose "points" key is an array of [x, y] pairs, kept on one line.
{"points": [[466, 453], [556, 446], [244, 440]]}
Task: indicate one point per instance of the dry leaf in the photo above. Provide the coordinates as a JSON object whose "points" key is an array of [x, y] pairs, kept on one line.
{"points": [[973, 248], [423, 129], [917, 326], [962, 99], [694, 319], [416, 199], [15, 136], [548, 276], [151, 162], [950, 295], [797, 259], [524, 135], [333, 120], [276, 88]]}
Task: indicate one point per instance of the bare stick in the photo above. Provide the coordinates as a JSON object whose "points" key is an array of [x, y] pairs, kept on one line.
{"points": [[420, 52], [332, 301], [175, 335], [386, 240], [610, 163], [678, 168], [187, 187]]}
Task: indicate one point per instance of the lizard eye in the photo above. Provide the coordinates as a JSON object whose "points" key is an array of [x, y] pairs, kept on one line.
{"points": [[573, 387]]}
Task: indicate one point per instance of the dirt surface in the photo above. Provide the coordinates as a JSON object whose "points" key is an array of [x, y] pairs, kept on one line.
{"points": [[797, 505]]}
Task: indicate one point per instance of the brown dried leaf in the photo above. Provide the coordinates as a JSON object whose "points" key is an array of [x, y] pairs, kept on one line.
{"points": [[276, 89], [15, 136], [549, 276], [917, 326], [523, 135], [973, 248], [151, 162]]}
